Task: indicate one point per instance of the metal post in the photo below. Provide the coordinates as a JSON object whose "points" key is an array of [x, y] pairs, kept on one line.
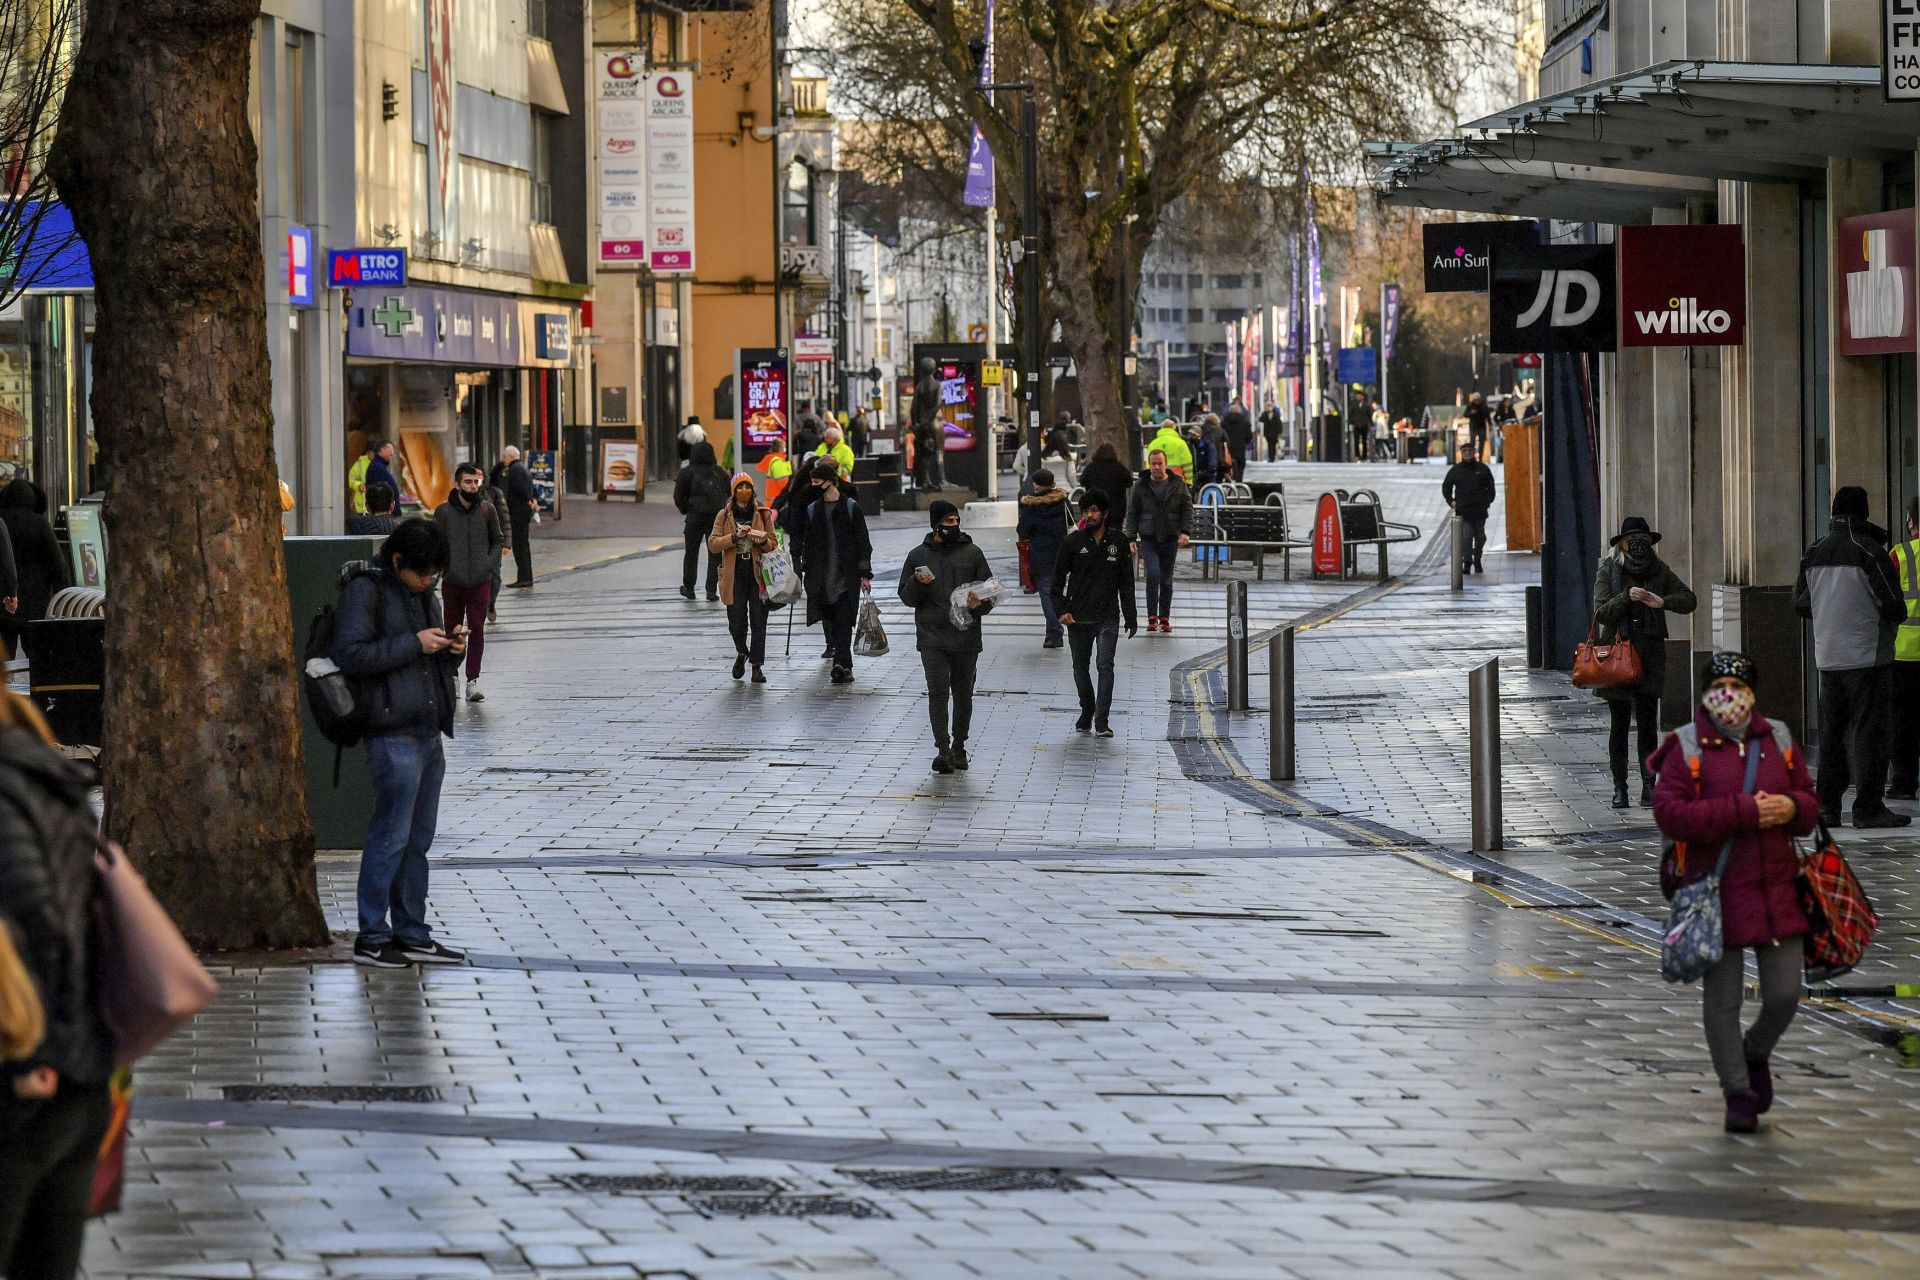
{"points": [[1458, 529], [1237, 646], [1033, 376], [1280, 706], [1483, 702]]}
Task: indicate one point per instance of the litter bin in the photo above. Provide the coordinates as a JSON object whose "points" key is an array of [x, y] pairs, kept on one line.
{"points": [[339, 814]]}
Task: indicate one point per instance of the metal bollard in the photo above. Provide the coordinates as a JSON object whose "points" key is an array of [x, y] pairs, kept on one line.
{"points": [[1483, 710], [1280, 707], [1237, 646], [1459, 536]]}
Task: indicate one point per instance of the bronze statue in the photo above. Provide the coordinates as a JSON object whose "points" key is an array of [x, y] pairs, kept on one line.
{"points": [[929, 430]]}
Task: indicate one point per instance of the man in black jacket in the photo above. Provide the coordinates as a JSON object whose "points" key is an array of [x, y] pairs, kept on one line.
{"points": [[523, 500], [836, 560], [474, 542], [390, 642], [942, 564], [699, 492], [1469, 490], [1846, 586], [1093, 593]]}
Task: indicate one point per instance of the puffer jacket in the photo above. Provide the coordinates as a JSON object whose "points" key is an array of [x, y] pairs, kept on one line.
{"points": [[1159, 517], [1758, 891], [474, 539], [1847, 587], [376, 629], [954, 565], [1043, 525], [47, 888]]}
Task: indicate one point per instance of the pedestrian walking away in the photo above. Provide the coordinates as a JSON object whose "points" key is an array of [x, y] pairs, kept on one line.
{"points": [[945, 562], [1733, 793], [1238, 426], [390, 641], [55, 1103], [1476, 413], [742, 533], [1043, 527], [474, 542], [838, 565], [1109, 475], [1159, 522], [1905, 767], [1847, 587], [1170, 442], [1469, 490], [523, 503], [1632, 596], [1093, 596], [1270, 426], [690, 435], [380, 518], [41, 568], [777, 468], [699, 493]]}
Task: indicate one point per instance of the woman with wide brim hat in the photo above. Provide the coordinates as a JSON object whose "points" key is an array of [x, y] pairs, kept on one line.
{"points": [[1632, 596]]}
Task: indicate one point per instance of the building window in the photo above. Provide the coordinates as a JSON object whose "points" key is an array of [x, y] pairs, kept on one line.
{"points": [[1228, 282], [543, 135], [797, 226], [1196, 314], [1196, 282], [1259, 280], [537, 18], [1227, 315]]}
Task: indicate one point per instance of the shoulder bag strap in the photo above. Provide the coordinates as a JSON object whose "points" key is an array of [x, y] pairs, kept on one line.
{"points": [[1753, 774]]}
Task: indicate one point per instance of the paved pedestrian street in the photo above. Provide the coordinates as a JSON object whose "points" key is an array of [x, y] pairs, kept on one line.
{"points": [[754, 993]]}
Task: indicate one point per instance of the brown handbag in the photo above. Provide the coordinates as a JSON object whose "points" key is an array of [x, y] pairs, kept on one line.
{"points": [[1605, 666], [150, 982]]}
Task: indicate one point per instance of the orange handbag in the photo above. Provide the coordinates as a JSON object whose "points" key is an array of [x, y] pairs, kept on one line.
{"points": [[1605, 666]]}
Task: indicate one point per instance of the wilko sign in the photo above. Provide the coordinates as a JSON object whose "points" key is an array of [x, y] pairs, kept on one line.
{"points": [[1875, 297], [1458, 254], [1682, 286], [1328, 553]]}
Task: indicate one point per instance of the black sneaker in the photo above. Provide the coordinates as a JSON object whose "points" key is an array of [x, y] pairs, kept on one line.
{"points": [[1085, 723], [1830, 818], [1102, 731], [431, 953], [958, 758], [759, 676], [841, 675], [1883, 818], [739, 666], [1053, 642], [379, 955], [686, 593], [942, 763]]}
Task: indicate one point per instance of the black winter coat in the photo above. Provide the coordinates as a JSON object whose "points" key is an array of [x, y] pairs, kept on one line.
{"points": [[41, 566], [1111, 477], [954, 565], [522, 497], [1043, 525], [1154, 518], [1469, 487], [1615, 614], [376, 629], [700, 491], [474, 538], [47, 888], [828, 577], [1094, 579]]}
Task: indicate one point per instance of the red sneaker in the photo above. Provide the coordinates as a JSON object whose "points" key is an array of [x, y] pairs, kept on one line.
{"points": [[1166, 626]]}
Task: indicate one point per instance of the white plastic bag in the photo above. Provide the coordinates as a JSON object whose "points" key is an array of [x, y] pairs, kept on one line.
{"points": [[987, 591], [779, 580]]}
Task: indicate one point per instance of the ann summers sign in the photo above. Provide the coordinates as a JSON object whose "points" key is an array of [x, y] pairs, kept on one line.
{"points": [[1458, 253], [1900, 50]]}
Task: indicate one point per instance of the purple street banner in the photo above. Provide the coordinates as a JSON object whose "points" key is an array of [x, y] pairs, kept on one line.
{"points": [[978, 193], [1390, 317]]}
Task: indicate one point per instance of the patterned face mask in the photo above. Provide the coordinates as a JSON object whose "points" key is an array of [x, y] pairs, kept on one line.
{"points": [[1730, 705]]}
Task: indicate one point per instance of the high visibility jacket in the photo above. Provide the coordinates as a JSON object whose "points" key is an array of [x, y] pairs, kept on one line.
{"points": [[778, 472], [842, 455], [1179, 456], [357, 484], [1906, 640]]}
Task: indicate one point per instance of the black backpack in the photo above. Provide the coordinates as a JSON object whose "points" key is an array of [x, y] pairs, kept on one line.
{"points": [[331, 700]]}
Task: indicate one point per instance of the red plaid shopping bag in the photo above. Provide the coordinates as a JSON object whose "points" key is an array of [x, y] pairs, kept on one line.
{"points": [[1843, 920]]}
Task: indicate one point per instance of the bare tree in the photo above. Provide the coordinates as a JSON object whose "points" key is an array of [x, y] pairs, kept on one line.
{"points": [[1139, 101], [202, 754]]}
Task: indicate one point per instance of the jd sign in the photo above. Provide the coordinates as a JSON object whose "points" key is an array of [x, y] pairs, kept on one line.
{"points": [[1551, 298]]}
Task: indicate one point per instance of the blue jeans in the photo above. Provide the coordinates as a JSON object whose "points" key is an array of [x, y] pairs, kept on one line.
{"points": [[393, 864], [1045, 588], [1160, 555]]}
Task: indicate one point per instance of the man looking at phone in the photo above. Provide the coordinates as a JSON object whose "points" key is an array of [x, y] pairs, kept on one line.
{"points": [[474, 543], [946, 561], [390, 641]]}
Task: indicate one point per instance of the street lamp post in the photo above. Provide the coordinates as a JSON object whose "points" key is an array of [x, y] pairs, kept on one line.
{"points": [[1027, 256]]}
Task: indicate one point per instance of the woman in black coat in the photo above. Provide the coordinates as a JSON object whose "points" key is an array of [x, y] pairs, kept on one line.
{"points": [[1109, 475], [38, 562], [1632, 595], [54, 1103]]}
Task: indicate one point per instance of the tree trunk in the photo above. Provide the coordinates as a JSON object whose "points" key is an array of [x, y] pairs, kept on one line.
{"points": [[1084, 282], [204, 778]]}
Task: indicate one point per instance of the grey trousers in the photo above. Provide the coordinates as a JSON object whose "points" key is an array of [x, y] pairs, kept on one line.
{"points": [[1780, 967]]}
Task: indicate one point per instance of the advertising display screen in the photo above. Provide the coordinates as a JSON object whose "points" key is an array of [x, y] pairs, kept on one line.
{"points": [[959, 405], [763, 400]]}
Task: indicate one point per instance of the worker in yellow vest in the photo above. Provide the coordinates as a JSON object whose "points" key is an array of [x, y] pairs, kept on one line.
{"points": [[1905, 774], [357, 482], [777, 469]]}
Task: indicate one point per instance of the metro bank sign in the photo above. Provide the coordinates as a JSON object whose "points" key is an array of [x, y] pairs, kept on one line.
{"points": [[366, 268]]}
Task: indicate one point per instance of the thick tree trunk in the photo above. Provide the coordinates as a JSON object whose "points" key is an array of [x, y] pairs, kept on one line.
{"points": [[202, 758], [1084, 283]]}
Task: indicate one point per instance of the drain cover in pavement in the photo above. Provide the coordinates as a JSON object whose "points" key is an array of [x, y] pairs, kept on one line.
{"points": [[966, 1179], [644, 1183], [787, 1207], [1041, 1015], [330, 1093]]}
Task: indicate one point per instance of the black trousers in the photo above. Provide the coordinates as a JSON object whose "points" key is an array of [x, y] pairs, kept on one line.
{"points": [[47, 1153], [1906, 726], [1089, 641], [1474, 546], [747, 620], [1644, 709], [950, 675], [522, 525], [1856, 730], [696, 535], [839, 621]]}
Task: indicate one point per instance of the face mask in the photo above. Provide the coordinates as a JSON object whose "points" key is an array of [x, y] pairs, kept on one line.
{"points": [[1639, 549], [1731, 706], [947, 532]]}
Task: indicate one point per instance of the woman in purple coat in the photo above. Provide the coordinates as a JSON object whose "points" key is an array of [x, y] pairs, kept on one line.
{"points": [[1702, 803]]}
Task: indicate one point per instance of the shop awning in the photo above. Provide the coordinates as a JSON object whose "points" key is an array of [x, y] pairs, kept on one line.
{"points": [[1617, 149]]}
